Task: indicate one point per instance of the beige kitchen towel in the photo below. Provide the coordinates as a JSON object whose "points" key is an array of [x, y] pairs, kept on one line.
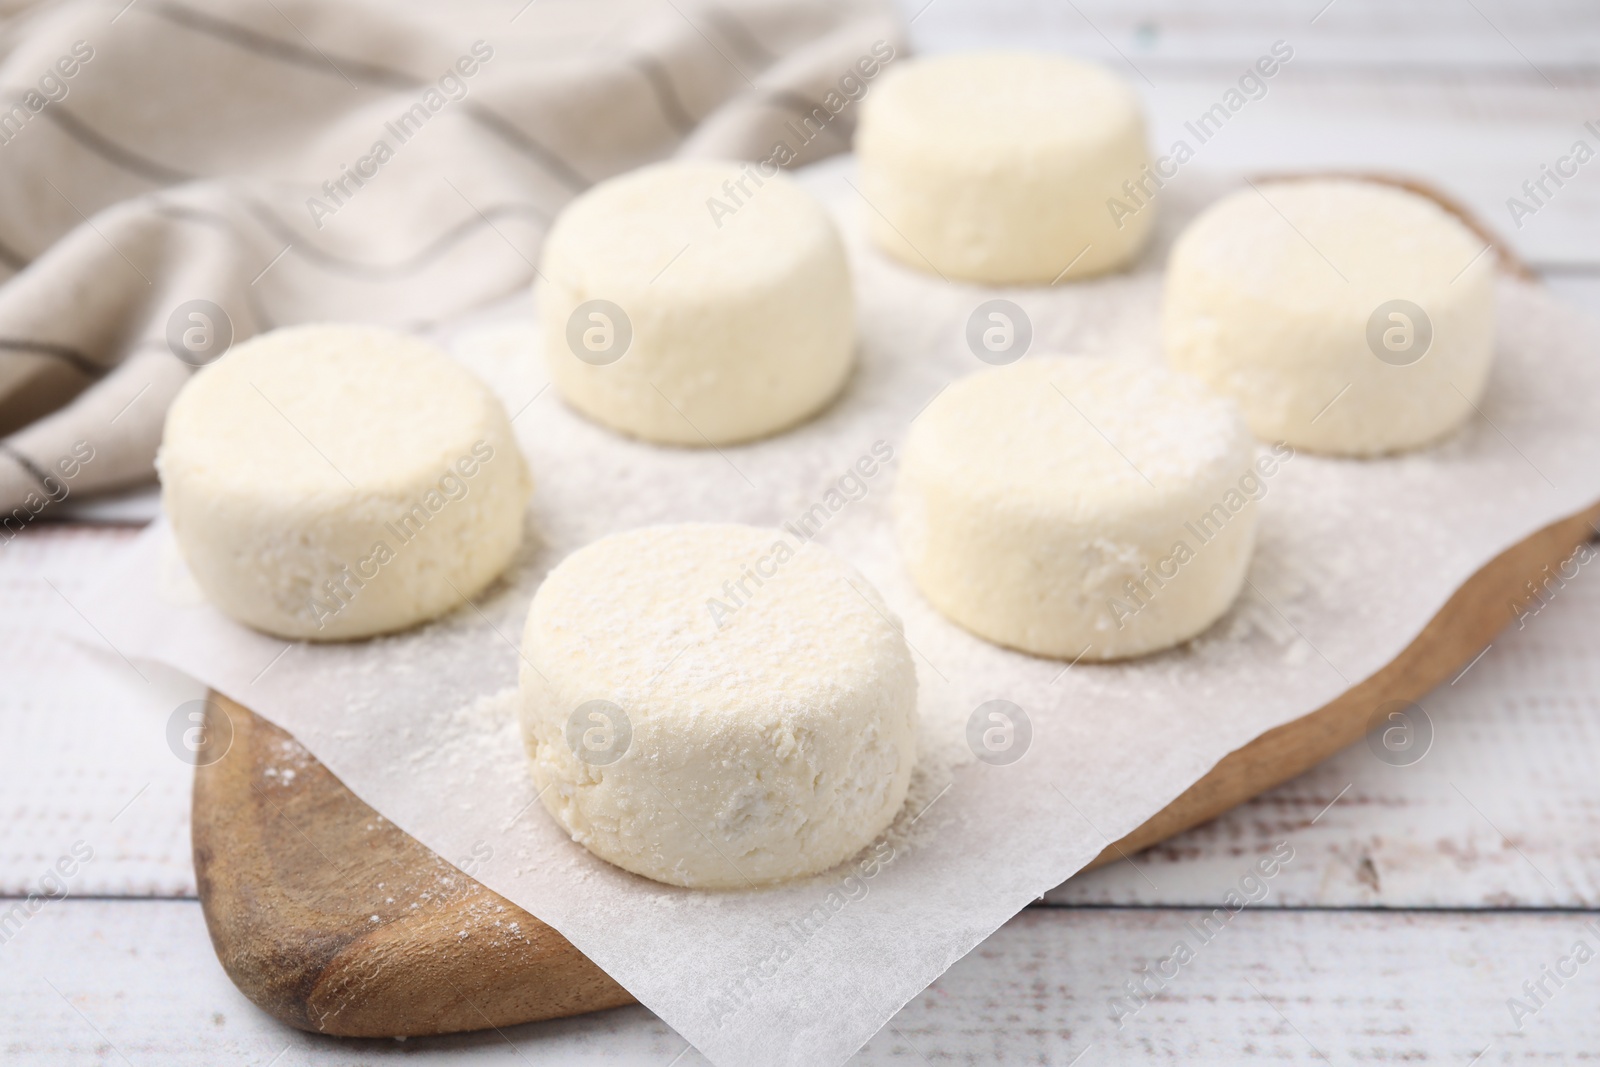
{"points": [[176, 176]]}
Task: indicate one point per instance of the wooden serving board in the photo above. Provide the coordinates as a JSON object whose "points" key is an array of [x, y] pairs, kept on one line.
{"points": [[333, 920]]}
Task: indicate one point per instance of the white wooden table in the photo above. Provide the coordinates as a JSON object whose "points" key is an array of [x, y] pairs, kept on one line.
{"points": [[1419, 898]]}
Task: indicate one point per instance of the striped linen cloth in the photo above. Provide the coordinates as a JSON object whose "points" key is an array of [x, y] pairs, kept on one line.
{"points": [[178, 175]]}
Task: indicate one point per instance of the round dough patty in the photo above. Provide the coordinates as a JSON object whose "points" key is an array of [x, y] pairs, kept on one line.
{"points": [[998, 167], [1077, 507], [708, 706], [697, 303], [338, 481], [1344, 316]]}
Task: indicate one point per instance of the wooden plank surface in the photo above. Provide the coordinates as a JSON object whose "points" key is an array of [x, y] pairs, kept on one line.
{"points": [[100, 982], [1504, 811], [84, 754], [1420, 39]]}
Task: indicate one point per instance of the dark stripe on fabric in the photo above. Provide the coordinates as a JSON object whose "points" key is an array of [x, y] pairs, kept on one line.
{"points": [[112, 152], [184, 213], [738, 34], [666, 94], [288, 235], [35, 472], [390, 271], [283, 51], [11, 258], [383, 271], [70, 356], [842, 127], [527, 145]]}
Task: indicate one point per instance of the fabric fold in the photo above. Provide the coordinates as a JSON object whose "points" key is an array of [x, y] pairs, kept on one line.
{"points": [[175, 173]]}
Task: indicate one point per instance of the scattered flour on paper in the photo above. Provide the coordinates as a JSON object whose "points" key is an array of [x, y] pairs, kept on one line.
{"points": [[1353, 558]]}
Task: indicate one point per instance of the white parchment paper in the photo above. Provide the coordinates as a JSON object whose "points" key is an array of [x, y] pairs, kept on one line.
{"points": [[1354, 558]]}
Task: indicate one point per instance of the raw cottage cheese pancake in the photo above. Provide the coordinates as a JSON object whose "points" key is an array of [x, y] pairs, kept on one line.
{"points": [[697, 303], [1344, 316], [716, 705], [1078, 507], [336, 481], [999, 167]]}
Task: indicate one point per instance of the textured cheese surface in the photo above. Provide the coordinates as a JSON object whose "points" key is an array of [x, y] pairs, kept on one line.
{"points": [[997, 167], [773, 745], [739, 301], [1032, 495], [1270, 293], [337, 481]]}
